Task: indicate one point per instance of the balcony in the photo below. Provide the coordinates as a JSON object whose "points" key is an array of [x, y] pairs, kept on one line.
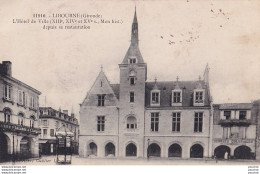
{"points": [[234, 122], [5, 126]]}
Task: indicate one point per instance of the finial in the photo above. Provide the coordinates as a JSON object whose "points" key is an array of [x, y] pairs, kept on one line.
{"points": [[155, 87], [177, 78], [199, 78], [135, 18], [155, 80], [101, 68]]}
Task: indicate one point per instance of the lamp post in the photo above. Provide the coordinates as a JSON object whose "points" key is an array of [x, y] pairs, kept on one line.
{"points": [[148, 152]]}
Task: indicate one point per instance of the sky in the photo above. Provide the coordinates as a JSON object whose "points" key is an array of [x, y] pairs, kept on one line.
{"points": [[176, 38]]}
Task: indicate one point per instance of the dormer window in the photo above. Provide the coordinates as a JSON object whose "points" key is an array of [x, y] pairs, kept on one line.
{"points": [[155, 98], [198, 97], [132, 60], [177, 97]]}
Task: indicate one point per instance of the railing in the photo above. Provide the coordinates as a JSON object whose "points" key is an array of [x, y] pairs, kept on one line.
{"points": [[235, 122], [19, 128]]}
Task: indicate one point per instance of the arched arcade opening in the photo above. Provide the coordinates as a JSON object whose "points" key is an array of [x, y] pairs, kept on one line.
{"points": [[154, 150], [110, 149], [222, 152], [175, 150], [131, 150], [196, 151]]}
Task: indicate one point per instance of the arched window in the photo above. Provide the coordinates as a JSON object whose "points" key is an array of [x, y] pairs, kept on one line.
{"points": [[7, 114], [21, 119], [32, 120], [131, 123]]}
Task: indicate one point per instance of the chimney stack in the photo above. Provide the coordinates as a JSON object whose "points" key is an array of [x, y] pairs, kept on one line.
{"points": [[66, 112], [6, 68]]}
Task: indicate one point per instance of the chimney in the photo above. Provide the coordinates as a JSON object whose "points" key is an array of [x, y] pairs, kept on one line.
{"points": [[6, 68], [66, 112]]}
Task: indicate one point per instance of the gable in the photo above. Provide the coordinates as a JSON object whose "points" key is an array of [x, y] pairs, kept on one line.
{"points": [[101, 86]]}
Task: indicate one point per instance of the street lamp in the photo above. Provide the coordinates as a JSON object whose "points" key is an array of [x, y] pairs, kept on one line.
{"points": [[148, 152]]}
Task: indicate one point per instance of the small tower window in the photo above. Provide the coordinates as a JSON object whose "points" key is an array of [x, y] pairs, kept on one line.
{"points": [[132, 97], [132, 60], [132, 80]]}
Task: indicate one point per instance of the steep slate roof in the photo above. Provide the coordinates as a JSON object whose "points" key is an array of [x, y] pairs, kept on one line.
{"points": [[115, 88], [133, 52], [166, 92], [235, 106]]}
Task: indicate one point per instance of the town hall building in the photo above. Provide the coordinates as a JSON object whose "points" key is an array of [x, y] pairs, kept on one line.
{"points": [[140, 119]]}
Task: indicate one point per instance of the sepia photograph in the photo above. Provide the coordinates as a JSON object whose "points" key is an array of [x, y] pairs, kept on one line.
{"points": [[129, 83]]}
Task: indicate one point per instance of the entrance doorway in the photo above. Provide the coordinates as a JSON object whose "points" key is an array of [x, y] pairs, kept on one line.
{"points": [[4, 147], [25, 148]]}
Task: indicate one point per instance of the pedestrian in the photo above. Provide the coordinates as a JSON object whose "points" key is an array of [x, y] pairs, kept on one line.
{"points": [[226, 156]]}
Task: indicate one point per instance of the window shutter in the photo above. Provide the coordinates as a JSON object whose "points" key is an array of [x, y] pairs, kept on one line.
{"points": [[248, 115]]}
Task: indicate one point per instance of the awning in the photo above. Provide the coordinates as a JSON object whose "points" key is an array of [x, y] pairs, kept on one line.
{"points": [[63, 131], [52, 141], [42, 141]]}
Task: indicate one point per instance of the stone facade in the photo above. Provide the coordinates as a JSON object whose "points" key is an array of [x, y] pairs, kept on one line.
{"points": [[18, 117], [140, 119]]}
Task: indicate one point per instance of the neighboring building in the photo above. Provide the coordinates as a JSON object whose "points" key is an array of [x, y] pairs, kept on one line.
{"points": [[51, 121], [18, 117], [256, 113], [234, 131], [145, 119]]}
